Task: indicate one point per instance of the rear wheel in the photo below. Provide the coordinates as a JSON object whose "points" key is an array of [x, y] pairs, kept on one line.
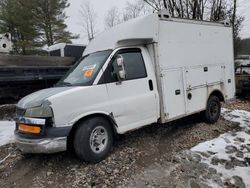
{"points": [[93, 140], [213, 110]]}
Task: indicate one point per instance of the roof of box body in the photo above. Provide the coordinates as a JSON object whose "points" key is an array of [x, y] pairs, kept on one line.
{"points": [[139, 28], [143, 28]]}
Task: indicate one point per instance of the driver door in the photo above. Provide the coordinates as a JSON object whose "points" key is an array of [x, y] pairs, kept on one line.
{"points": [[132, 100]]}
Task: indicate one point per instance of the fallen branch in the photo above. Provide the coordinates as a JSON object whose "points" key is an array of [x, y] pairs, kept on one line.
{"points": [[5, 158]]}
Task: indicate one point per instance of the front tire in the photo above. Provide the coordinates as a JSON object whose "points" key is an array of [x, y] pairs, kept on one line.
{"points": [[213, 110], [93, 140]]}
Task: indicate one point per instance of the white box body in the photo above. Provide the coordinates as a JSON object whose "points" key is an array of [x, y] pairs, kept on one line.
{"points": [[186, 61]]}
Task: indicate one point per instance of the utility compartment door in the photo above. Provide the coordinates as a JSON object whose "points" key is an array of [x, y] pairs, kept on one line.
{"points": [[173, 93], [201, 81]]}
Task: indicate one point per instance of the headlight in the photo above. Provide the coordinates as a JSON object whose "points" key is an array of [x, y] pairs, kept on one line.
{"points": [[39, 112]]}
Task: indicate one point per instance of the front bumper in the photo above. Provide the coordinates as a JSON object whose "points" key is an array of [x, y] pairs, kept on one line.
{"points": [[46, 145], [50, 140]]}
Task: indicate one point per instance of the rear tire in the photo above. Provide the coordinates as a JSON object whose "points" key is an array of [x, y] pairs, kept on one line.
{"points": [[213, 110], [93, 140]]}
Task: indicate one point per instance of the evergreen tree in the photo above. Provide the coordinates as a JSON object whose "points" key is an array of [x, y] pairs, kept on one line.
{"points": [[34, 23], [50, 17], [16, 17]]}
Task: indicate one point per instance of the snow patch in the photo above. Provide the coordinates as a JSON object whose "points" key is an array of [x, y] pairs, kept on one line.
{"points": [[7, 129], [229, 153], [239, 116]]}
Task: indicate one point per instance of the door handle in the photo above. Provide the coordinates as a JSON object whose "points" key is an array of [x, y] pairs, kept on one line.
{"points": [[150, 84], [177, 92]]}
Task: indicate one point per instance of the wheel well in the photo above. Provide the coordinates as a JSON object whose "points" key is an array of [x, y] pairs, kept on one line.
{"points": [[218, 94], [71, 135]]}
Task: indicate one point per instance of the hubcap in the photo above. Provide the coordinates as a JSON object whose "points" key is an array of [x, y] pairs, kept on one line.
{"points": [[214, 108], [98, 139]]}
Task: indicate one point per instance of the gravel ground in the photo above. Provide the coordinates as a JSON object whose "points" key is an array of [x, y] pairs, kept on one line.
{"points": [[220, 162], [154, 156], [240, 104]]}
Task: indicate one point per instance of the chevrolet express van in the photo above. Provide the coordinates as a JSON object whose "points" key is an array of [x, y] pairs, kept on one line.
{"points": [[153, 69]]}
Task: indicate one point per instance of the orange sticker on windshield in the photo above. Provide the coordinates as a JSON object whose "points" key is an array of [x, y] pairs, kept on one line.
{"points": [[88, 73]]}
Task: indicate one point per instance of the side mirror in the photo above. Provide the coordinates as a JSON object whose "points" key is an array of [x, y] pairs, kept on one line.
{"points": [[121, 69], [122, 74], [120, 61]]}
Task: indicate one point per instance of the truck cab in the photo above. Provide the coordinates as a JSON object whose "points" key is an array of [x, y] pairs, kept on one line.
{"points": [[95, 87], [129, 77]]}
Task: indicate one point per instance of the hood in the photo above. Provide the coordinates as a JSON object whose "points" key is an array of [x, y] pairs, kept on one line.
{"points": [[36, 99]]}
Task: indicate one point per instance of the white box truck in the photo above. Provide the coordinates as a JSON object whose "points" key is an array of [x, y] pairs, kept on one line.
{"points": [[153, 69]]}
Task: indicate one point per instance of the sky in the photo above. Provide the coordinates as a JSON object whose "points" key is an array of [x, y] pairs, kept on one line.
{"points": [[102, 6], [244, 10]]}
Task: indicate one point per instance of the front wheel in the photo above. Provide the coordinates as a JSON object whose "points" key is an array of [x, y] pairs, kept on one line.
{"points": [[213, 110], [93, 140]]}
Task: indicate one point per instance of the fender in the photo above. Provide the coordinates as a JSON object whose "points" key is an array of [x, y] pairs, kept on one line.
{"points": [[109, 116], [217, 93]]}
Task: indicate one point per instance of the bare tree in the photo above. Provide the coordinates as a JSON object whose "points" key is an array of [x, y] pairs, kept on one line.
{"points": [[134, 10], [236, 20], [88, 19], [218, 10], [155, 4], [112, 18], [213, 10]]}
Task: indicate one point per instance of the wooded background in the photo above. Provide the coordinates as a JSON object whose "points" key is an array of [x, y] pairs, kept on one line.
{"points": [[36, 23]]}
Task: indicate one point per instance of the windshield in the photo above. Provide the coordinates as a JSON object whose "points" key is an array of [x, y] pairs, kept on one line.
{"points": [[86, 70]]}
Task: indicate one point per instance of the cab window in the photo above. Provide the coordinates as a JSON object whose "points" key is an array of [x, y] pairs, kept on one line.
{"points": [[133, 64]]}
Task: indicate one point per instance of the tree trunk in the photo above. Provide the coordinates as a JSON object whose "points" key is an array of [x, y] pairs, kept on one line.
{"points": [[23, 46], [195, 9], [187, 8], [234, 16], [182, 10]]}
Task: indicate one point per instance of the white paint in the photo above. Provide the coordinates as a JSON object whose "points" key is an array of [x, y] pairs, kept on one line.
{"points": [[71, 105], [132, 29], [6, 132], [132, 103], [185, 48], [182, 49]]}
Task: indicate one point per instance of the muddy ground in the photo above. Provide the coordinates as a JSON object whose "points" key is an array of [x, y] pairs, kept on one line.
{"points": [[155, 151]]}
